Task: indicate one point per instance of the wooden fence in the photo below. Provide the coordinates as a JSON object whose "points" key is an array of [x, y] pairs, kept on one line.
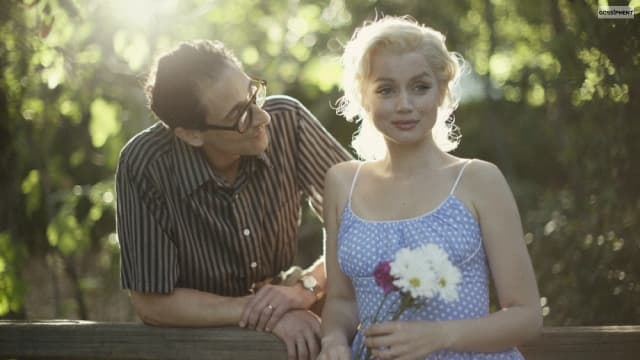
{"points": [[68, 339]]}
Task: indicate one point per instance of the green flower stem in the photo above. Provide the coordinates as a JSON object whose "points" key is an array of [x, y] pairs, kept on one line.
{"points": [[406, 302], [375, 319]]}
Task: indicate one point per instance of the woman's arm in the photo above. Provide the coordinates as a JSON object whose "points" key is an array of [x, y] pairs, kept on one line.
{"points": [[340, 313], [520, 318]]}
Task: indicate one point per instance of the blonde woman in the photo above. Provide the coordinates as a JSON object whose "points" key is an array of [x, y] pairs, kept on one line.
{"points": [[398, 79]]}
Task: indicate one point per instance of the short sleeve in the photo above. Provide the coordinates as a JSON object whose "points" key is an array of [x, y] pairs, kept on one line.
{"points": [[317, 152], [148, 260]]}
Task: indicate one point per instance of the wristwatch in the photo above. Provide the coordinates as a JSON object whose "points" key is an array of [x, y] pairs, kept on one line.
{"points": [[309, 282]]}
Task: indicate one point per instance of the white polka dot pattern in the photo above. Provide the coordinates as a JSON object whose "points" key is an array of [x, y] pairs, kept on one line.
{"points": [[362, 244]]}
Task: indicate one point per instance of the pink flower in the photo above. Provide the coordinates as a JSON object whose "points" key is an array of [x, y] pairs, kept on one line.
{"points": [[418, 275], [383, 277]]}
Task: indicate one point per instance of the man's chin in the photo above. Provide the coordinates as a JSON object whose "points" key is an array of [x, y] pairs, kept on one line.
{"points": [[258, 150], [263, 143]]}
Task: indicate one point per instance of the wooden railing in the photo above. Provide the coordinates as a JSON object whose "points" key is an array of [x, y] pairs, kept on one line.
{"points": [[67, 339]]}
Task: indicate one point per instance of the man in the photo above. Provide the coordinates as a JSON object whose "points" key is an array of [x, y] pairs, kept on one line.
{"points": [[208, 200]]}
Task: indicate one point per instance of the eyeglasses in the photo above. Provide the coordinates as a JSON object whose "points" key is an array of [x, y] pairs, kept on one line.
{"points": [[245, 119]]}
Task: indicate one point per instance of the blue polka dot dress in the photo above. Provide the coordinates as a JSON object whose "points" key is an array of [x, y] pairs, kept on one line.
{"points": [[362, 244]]}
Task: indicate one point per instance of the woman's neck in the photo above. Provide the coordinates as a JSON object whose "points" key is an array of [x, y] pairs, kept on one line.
{"points": [[405, 160]]}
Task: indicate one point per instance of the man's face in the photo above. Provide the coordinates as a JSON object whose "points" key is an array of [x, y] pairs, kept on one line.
{"points": [[224, 100]]}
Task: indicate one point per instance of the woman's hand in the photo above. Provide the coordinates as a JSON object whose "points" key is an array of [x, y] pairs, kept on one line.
{"points": [[405, 339], [270, 303]]}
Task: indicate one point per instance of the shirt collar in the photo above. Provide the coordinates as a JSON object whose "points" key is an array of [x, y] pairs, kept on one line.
{"points": [[265, 159], [193, 171]]}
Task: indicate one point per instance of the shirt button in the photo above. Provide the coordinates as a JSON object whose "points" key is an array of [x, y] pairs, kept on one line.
{"points": [[254, 264], [236, 196], [246, 232]]}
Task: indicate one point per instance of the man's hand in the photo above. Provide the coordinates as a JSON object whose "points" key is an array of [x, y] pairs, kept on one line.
{"points": [[300, 331], [265, 309], [334, 349]]}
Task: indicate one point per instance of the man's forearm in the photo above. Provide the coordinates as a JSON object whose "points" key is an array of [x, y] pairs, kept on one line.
{"points": [[188, 308], [293, 276], [317, 270]]}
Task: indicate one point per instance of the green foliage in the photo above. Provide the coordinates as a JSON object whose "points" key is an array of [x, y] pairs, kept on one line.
{"points": [[557, 93], [561, 124], [11, 288], [104, 121]]}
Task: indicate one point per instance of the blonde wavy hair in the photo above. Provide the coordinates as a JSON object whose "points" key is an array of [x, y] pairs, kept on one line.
{"points": [[402, 34]]}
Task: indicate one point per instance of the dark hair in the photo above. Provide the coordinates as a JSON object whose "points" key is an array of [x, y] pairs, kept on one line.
{"points": [[177, 77]]}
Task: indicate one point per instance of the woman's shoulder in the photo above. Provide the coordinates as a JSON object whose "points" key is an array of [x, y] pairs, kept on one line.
{"points": [[344, 171], [340, 176], [483, 180], [481, 172]]}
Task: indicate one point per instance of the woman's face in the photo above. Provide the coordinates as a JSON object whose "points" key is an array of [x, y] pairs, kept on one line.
{"points": [[401, 95]]}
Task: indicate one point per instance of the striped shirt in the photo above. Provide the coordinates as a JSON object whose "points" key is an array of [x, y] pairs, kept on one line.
{"points": [[181, 225]]}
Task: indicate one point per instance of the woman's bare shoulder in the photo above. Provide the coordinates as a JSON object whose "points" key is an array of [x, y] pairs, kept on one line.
{"points": [[339, 179], [483, 173], [343, 173]]}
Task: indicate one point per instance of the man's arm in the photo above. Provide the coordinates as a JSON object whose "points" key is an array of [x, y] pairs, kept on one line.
{"points": [[272, 302], [299, 330], [149, 265], [316, 270], [317, 151], [188, 307]]}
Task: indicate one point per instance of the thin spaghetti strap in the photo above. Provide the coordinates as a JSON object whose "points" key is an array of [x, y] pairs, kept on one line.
{"points": [[353, 182], [459, 176]]}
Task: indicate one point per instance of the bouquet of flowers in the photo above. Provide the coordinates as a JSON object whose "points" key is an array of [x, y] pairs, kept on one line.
{"points": [[418, 274]]}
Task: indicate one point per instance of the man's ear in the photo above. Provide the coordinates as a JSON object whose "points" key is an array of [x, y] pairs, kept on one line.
{"points": [[190, 136]]}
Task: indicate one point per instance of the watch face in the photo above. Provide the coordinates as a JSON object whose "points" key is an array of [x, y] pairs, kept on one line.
{"points": [[309, 282]]}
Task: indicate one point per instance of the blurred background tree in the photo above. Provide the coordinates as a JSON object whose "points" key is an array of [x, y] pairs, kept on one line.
{"points": [[549, 96]]}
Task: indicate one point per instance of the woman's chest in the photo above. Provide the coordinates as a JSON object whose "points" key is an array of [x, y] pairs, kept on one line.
{"points": [[363, 244]]}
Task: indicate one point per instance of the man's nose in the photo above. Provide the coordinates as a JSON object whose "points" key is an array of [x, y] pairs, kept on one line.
{"points": [[260, 116]]}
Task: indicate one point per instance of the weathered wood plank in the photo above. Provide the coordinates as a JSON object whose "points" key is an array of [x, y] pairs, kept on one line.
{"points": [[68, 339], [585, 343], [89, 340]]}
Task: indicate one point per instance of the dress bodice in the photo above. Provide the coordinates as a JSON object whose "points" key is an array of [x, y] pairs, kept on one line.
{"points": [[362, 244]]}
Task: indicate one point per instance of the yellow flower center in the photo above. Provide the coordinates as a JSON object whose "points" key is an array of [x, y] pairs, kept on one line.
{"points": [[442, 282], [415, 282]]}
